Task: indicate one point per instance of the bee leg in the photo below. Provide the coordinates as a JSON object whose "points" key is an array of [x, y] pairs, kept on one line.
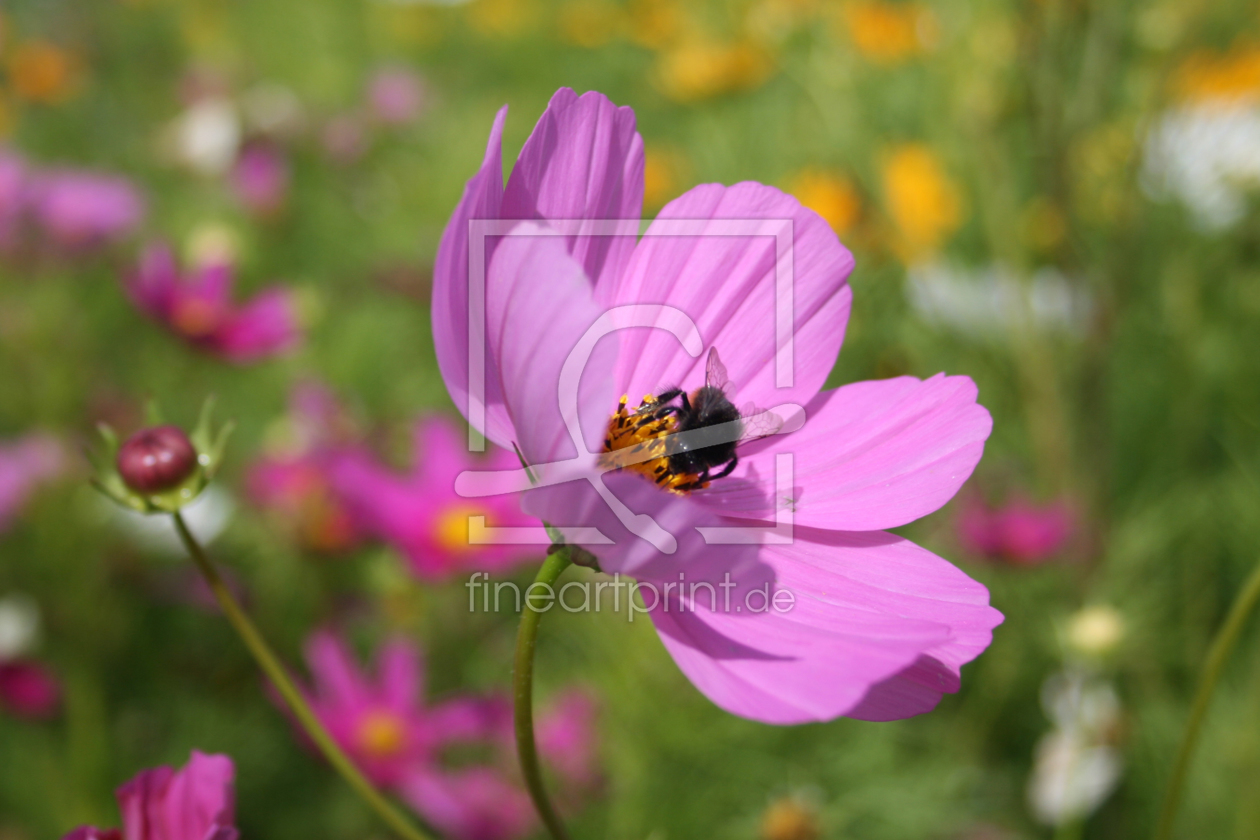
{"points": [[727, 470], [671, 395]]}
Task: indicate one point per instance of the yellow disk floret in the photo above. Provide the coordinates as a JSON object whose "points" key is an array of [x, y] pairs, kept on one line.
{"points": [[638, 439]]}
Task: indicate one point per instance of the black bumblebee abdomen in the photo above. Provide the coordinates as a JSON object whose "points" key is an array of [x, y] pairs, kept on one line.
{"points": [[707, 407]]}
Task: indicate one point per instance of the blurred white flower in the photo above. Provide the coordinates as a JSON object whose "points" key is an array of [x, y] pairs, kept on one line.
{"points": [[206, 136], [993, 300], [19, 626], [1207, 155], [206, 516], [1076, 766]]}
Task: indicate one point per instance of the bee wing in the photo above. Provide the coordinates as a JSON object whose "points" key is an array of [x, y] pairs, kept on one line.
{"points": [[715, 375], [758, 422]]}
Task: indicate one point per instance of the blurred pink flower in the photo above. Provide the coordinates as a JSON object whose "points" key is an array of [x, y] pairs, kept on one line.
{"points": [[197, 802], [1018, 532], [77, 209], [345, 139], [28, 689], [199, 308], [25, 463], [566, 737], [294, 482], [383, 723], [877, 628], [396, 95], [13, 178], [421, 515], [260, 179]]}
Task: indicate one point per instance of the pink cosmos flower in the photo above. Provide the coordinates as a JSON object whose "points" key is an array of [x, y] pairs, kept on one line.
{"points": [[24, 464], [199, 309], [879, 628], [396, 96], [1019, 532], [197, 802], [296, 483], [260, 179], [421, 515], [28, 689], [79, 209], [399, 742]]}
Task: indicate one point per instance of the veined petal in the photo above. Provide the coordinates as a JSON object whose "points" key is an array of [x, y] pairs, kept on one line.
{"points": [[872, 614], [539, 307], [871, 455], [700, 257], [583, 161], [577, 504], [483, 199]]}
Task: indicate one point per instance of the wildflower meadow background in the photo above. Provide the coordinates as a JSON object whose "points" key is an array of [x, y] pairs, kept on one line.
{"points": [[1057, 198]]}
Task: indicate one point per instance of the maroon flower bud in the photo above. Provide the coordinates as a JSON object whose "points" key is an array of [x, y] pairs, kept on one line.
{"points": [[156, 459]]}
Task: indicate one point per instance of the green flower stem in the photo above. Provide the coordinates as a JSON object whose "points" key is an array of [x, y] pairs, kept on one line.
{"points": [[523, 694], [280, 679], [1222, 647]]}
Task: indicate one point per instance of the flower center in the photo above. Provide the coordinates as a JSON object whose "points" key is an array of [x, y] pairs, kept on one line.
{"points": [[450, 531], [643, 433], [196, 318], [381, 734]]}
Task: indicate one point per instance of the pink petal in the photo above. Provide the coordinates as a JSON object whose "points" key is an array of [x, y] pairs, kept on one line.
{"points": [[539, 305], [91, 832], [576, 504], [401, 674], [867, 607], [483, 199], [198, 798], [871, 455], [584, 160], [155, 281], [472, 804], [265, 326], [139, 800], [471, 719], [337, 676], [727, 284]]}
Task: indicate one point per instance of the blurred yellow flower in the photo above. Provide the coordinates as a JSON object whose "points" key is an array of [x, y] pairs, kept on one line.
{"points": [[662, 176], [886, 33], [590, 23], [789, 818], [503, 18], [1094, 631], [924, 203], [830, 195], [698, 69], [41, 72], [654, 23], [1206, 75]]}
